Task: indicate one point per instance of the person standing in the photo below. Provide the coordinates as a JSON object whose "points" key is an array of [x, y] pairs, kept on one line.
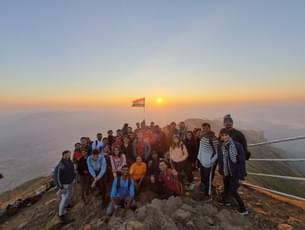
{"points": [[127, 150], [207, 156], [141, 147], [236, 134], [178, 155], [98, 143], [191, 146], [64, 176], [84, 178], [233, 168]]}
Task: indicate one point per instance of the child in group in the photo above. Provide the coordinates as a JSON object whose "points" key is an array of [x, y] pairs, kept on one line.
{"points": [[138, 172]]}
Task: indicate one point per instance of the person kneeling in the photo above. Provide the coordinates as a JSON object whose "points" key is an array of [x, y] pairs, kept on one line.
{"points": [[169, 181], [122, 193]]}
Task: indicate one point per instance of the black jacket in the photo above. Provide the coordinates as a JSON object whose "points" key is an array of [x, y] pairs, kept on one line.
{"points": [[64, 173], [192, 149], [82, 166]]}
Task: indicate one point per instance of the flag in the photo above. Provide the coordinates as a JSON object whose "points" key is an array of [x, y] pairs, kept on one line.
{"points": [[139, 102]]}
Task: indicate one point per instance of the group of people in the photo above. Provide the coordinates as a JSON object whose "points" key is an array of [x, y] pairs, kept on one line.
{"points": [[119, 166]]}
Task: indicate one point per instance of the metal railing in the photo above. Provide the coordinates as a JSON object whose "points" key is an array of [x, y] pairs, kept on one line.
{"points": [[277, 160]]}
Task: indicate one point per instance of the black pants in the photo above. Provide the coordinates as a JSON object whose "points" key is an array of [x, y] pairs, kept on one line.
{"points": [[231, 186], [205, 178], [184, 169], [85, 185], [101, 187]]}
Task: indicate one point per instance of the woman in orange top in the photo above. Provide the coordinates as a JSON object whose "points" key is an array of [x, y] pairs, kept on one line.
{"points": [[138, 172]]}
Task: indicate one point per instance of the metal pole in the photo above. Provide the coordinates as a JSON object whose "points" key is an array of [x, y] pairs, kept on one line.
{"points": [[277, 176], [276, 159], [277, 141], [273, 191]]}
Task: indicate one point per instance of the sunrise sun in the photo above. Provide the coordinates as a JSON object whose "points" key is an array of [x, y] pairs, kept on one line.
{"points": [[159, 100]]}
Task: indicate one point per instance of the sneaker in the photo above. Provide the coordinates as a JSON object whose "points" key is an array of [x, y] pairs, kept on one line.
{"points": [[207, 199], [224, 203], [243, 212], [191, 186], [64, 220]]}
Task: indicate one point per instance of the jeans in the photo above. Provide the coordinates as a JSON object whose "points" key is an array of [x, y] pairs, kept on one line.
{"points": [[118, 203], [65, 198], [231, 186]]}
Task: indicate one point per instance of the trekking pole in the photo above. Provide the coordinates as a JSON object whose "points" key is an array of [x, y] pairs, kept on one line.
{"points": [[210, 182]]}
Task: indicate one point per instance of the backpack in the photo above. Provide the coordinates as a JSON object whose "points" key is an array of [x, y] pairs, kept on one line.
{"points": [[118, 183]]}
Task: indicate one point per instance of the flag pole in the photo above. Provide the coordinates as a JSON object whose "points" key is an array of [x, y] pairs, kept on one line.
{"points": [[144, 112]]}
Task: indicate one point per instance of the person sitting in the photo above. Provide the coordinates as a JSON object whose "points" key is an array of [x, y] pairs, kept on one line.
{"points": [[138, 172], [122, 192], [97, 168], [170, 185], [118, 160]]}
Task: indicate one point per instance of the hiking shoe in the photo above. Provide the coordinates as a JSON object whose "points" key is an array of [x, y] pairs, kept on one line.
{"points": [[64, 220], [69, 206], [243, 212], [224, 203]]}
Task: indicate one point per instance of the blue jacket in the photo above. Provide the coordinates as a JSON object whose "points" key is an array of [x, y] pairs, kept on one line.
{"points": [[238, 169], [124, 191], [101, 164], [64, 173]]}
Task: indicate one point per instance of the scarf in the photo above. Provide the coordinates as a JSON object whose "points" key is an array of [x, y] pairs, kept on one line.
{"points": [[229, 151]]}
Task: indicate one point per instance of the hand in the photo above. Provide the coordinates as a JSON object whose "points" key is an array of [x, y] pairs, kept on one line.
{"points": [[93, 183]]}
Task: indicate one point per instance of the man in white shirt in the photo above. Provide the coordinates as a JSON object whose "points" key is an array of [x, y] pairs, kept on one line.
{"points": [[98, 143]]}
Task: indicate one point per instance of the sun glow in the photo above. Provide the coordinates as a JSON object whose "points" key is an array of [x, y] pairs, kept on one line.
{"points": [[159, 100]]}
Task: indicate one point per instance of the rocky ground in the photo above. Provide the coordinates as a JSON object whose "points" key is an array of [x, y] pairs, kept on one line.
{"points": [[186, 212]]}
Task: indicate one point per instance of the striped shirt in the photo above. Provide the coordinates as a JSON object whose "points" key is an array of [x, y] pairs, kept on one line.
{"points": [[207, 154]]}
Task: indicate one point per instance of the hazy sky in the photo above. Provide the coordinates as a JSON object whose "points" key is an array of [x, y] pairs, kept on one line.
{"points": [[89, 53]]}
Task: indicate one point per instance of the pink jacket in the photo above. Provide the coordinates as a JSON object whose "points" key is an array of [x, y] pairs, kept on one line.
{"points": [[178, 154]]}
